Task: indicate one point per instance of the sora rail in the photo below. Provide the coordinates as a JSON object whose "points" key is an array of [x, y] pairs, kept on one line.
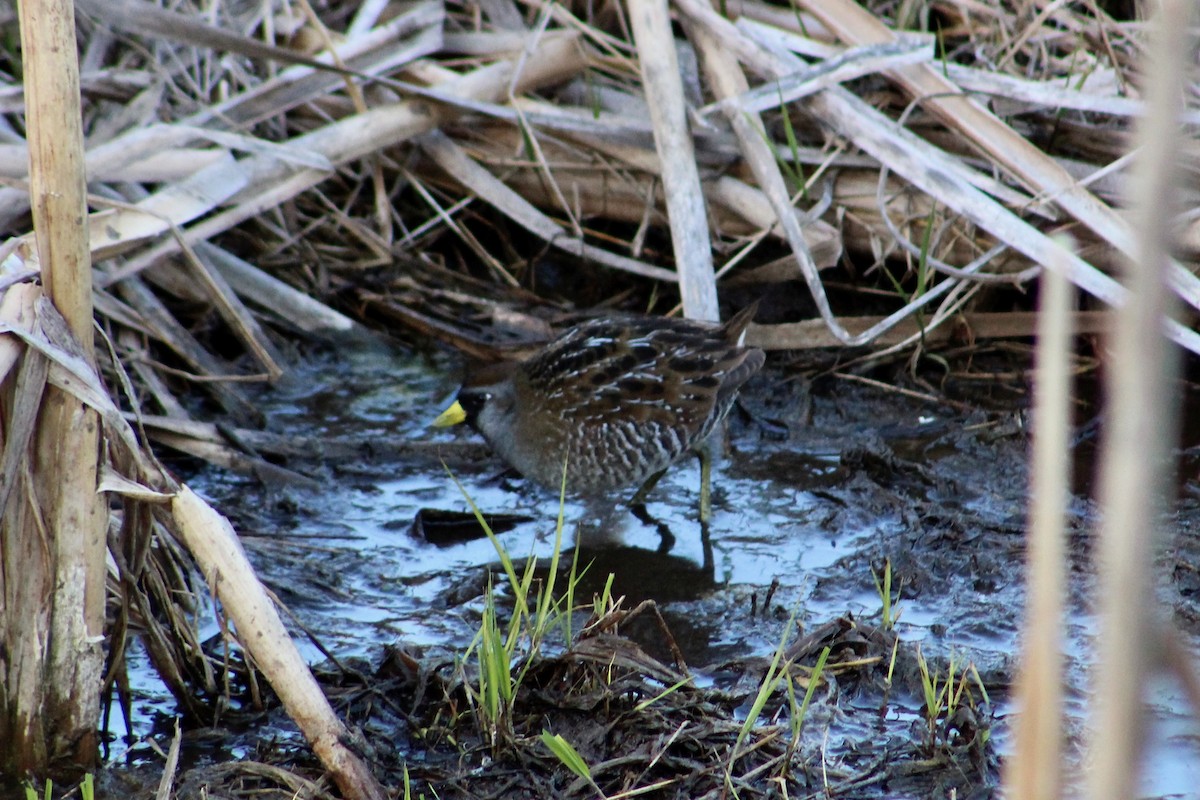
{"points": [[619, 398]]}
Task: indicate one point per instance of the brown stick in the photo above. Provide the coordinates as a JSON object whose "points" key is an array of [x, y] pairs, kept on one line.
{"points": [[220, 556]]}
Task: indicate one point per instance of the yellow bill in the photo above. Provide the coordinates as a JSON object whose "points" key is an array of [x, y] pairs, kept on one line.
{"points": [[454, 415]]}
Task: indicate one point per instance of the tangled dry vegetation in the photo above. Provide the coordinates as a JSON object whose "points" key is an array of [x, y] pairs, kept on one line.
{"points": [[465, 170], [476, 171]]}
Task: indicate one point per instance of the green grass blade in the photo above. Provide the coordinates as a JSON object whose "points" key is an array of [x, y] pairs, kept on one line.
{"points": [[928, 686], [541, 622], [642, 706], [505, 561], [572, 583], [770, 681], [983, 692], [567, 754], [813, 680]]}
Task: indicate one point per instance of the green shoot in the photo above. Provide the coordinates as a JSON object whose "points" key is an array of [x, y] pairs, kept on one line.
{"points": [[944, 695], [531, 153], [795, 170], [496, 685], [570, 758], [800, 710], [546, 595], [883, 587], [602, 602], [922, 271], [923, 261], [951, 696], [572, 583], [892, 661], [775, 672], [929, 685], [496, 647], [567, 754], [642, 706], [505, 561], [813, 680], [87, 789], [983, 692], [923, 282]]}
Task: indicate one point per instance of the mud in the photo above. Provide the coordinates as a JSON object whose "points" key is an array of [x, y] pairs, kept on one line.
{"points": [[827, 481]]}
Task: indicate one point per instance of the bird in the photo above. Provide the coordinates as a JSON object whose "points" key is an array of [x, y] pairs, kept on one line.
{"points": [[614, 401]]}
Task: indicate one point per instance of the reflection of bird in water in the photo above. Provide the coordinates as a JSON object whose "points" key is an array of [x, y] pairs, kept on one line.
{"points": [[640, 574]]}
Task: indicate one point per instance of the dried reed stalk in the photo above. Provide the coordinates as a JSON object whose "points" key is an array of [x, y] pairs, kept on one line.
{"points": [[853, 24], [261, 632], [1034, 770], [651, 24], [727, 80], [1137, 467], [52, 575]]}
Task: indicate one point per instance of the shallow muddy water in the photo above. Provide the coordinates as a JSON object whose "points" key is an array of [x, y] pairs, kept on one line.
{"points": [[807, 505]]}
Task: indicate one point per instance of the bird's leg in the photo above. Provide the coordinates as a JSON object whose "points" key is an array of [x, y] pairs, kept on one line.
{"points": [[647, 487], [705, 454], [704, 451]]}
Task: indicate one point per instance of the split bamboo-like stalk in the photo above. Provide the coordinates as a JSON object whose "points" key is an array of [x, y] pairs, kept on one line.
{"points": [[52, 579]]}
